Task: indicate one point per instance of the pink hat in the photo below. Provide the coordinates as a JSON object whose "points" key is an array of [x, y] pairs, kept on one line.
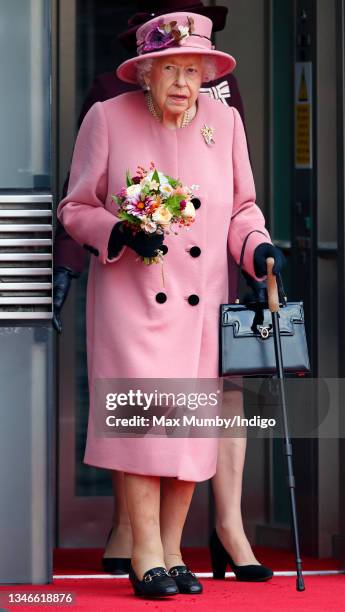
{"points": [[174, 34], [152, 8]]}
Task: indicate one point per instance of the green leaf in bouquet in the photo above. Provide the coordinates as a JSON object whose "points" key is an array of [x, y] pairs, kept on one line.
{"points": [[173, 182], [129, 181], [173, 204], [155, 177], [125, 216], [116, 199], [145, 190]]}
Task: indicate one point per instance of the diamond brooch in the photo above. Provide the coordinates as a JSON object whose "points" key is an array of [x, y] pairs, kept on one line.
{"points": [[207, 132]]}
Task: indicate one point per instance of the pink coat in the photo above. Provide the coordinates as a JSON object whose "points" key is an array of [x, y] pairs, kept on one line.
{"points": [[129, 333]]}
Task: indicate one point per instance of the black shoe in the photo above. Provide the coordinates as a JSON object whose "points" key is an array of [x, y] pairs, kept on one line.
{"points": [[156, 582], [116, 565], [245, 573], [186, 581]]}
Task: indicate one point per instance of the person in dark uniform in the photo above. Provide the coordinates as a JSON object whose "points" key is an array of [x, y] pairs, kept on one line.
{"points": [[70, 259]]}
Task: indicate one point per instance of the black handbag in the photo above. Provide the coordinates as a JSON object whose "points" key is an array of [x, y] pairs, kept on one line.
{"points": [[246, 334]]}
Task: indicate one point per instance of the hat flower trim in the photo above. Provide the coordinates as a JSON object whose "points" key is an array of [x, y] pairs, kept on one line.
{"points": [[165, 35]]}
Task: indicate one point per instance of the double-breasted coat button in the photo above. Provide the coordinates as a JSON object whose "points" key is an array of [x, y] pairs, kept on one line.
{"points": [[196, 202], [193, 299], [161, 297], [195, 251], [164, 249]]}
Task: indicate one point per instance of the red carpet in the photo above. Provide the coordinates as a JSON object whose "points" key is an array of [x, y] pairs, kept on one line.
{"points": [[322, 594]]}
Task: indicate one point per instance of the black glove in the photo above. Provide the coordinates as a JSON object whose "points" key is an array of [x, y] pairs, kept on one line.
{"points": [[144, 244], [258, 293], [264, 250], [61, 284]]}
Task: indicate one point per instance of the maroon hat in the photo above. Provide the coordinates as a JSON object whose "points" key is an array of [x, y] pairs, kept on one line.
{"points": [[147, 9]]}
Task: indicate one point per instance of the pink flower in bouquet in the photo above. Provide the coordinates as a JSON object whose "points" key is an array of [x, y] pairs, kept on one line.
{"points": [[138, 207], [122, 193]]}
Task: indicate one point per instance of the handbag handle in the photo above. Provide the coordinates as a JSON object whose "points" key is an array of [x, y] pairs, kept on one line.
{"points": [[279, 278]]}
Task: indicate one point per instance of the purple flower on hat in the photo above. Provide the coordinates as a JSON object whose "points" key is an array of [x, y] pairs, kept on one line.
{"points": [[166, 35], [157, 39]]}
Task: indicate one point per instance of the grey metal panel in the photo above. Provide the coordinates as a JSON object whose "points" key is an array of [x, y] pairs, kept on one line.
{"points": [[24, 212], [25, 242], [23, 218], [26, 198], [25, 271], [26, 458], [28, 227], [13, 316], [25, 256], [24, 286], [25, 300]]}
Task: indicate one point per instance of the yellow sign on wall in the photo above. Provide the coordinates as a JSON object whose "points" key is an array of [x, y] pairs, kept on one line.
{"points": [[303, 115]]}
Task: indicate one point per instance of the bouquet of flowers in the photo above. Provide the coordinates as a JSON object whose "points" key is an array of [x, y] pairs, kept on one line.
{"points": [[155, 202]]}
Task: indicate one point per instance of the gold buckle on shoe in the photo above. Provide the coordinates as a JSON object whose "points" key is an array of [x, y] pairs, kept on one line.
{"points": [[176, 572], [148, 578]]}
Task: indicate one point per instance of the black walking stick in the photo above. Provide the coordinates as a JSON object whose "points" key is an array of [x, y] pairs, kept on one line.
{"points": [[273, 305]]}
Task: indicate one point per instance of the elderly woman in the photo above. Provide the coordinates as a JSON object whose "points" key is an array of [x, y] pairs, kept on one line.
{"points": [[137, 328]]}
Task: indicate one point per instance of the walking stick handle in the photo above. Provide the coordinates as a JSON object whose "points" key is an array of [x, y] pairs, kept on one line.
{"points": [[272, 289]]}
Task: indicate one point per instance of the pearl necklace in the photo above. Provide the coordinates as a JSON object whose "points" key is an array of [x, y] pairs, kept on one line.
{"points": [[150, 105]]}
